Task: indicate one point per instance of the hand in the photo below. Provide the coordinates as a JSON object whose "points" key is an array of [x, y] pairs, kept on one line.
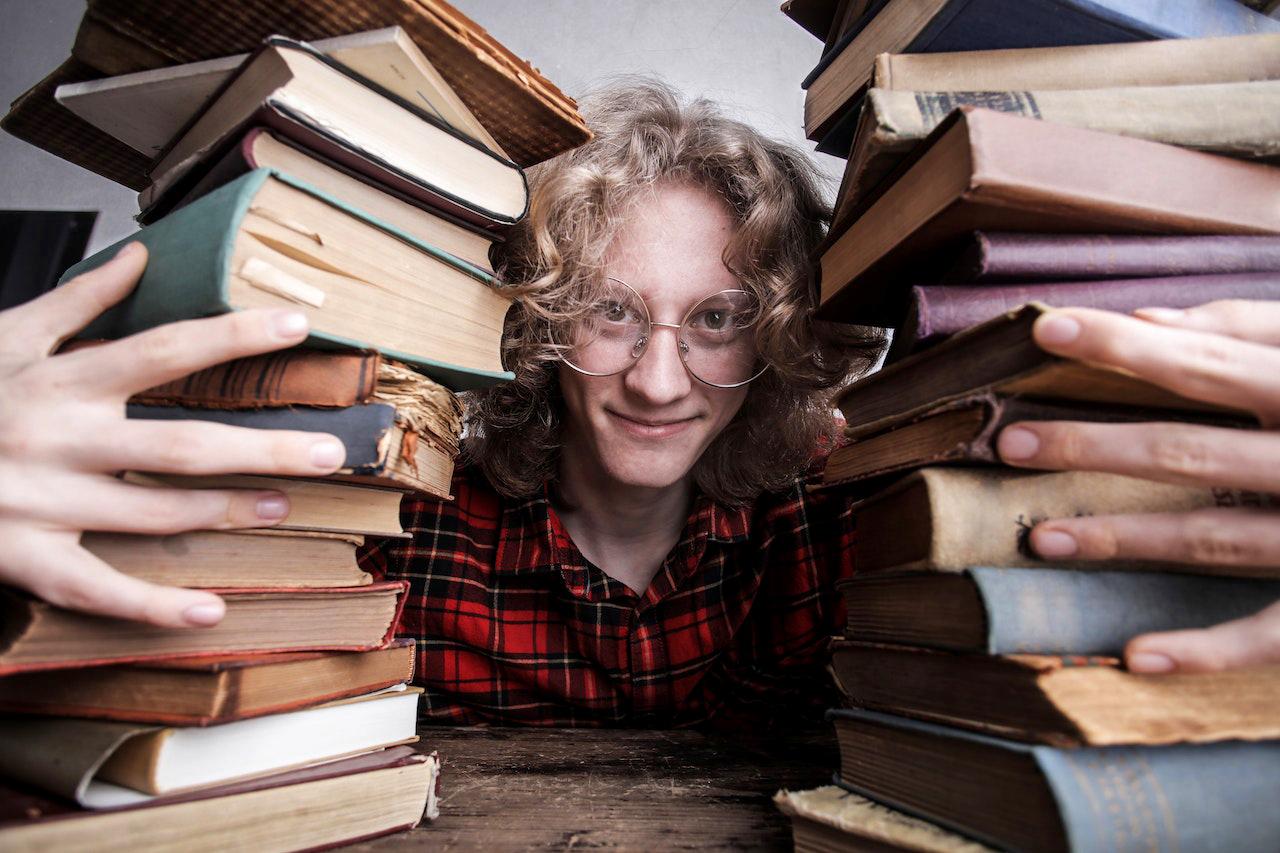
{"points": [[1226, 353], [63, 436]]}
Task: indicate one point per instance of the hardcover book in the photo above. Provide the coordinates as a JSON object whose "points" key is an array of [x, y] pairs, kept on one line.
{"points": [[830, 818]]}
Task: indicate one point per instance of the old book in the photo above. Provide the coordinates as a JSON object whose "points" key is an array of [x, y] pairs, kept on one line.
{"points": [[830, 818], [323, 506], [997, 357], [223, 559], [951, 519], [1000, 257], [986, 170], [935, 312], [941, 26], [1236, 119], [1034, 797], [103, 763], [38, 635], [362, 283], [208, 691], [1067, 701], [312, 808], [146, 109], [1046, 611], [324, 106], [964, 431], [815, 16], [385, 445], [260, 148]]}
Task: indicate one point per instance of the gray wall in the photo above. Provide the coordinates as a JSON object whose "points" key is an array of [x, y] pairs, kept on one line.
{"points": [[742, 53]]}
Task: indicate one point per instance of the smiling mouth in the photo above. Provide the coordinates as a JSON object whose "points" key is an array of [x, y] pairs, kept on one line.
{"points": [[651, 429], [653, 424]]}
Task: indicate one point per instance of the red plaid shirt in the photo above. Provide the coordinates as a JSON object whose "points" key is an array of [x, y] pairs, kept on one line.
{"points": [[515, 626]]}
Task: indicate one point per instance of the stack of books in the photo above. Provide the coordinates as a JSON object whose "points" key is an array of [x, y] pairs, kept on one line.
{"points": [[299, 182], [987, 698]]}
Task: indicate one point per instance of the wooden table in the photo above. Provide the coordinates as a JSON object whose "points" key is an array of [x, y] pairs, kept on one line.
{"points": [[622, 789]]}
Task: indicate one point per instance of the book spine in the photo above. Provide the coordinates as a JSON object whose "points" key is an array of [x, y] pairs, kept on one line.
{"points": [[1063, 612], [1032, 257], [936, 312]]}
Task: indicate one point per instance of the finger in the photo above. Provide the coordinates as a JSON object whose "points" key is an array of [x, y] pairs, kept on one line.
{"points": [[198, 447], [1200, 365], [104, 503], [1171, 453], [43, 323], [1246, 319], [1244, 539], [175, 350], [70, 577], [1251, 641]]}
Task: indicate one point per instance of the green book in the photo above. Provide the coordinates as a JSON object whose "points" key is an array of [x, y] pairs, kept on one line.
{"points": [[267, 240]]}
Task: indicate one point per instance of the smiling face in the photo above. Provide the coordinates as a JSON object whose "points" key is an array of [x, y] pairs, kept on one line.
{"points": [[647, 426]]}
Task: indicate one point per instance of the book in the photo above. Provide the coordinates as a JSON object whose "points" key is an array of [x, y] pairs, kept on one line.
{"points": [[1025, 797], [998, 357], [146, 109], [990, 171], [943, 26], [831, 818], [324, 106], [38, 635], [951, 519], [223, 559], [964, 431], [312, 808], [1046, 611], [208, 691], [322, 506], [935, 312], [362, 283], [382, 449], [259, 148], [103, 763], [1235, 119], [1000, 257]]}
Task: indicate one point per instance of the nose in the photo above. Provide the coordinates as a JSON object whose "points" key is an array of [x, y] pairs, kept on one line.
{"points": [[659, 377]]}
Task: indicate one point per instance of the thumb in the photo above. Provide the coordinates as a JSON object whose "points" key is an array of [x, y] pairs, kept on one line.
{"points": [[1251, 641]]}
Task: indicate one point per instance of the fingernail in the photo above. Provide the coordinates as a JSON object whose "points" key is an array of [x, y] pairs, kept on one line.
{"points": [[1057, 329], [129, 249], [203, 614], [328, 454], [272, 507], [1054, 543], [1160, 315], [1151, 662], [289, 324], [1018, 443]]}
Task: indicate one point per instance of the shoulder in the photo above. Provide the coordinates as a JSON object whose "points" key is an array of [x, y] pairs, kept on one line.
{"points": [[475, 504]]}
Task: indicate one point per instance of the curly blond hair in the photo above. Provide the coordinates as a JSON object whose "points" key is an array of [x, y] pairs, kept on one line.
{"points": [[553, 263]]}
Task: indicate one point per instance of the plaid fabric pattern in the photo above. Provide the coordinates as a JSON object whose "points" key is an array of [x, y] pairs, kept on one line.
{"points": [[515, 626]]}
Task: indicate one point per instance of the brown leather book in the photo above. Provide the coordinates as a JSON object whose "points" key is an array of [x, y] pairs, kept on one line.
{"points": [[208, 691], [986, 170], [1065, 701]]}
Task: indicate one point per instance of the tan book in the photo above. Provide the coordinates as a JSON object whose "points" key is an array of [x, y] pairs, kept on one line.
{"points": [[986, 170], [217, 559], [1065, 701], [949, 519], [1236, 119], [830, 819], [320, 506], [208, 691]]}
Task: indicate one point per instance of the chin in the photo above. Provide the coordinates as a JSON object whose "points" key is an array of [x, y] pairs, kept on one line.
{"points": [[652, 470]]}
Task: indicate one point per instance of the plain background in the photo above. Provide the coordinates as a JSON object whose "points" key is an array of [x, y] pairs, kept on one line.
{"points": [[743, 54]]}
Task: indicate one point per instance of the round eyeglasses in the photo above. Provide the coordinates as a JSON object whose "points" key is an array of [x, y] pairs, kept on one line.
{"points": [[715, 337]]}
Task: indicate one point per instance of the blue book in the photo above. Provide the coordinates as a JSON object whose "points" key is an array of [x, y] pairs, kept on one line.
{"points": [[963, 25], [1208, 798], [1047, 611]]}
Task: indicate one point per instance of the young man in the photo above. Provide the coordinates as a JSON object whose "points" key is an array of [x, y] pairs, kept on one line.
{"points": [[632, 540]]}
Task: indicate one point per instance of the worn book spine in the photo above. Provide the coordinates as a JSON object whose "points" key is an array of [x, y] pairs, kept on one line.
{"points": [[1003, 257], [951, 519], [937, 311]]}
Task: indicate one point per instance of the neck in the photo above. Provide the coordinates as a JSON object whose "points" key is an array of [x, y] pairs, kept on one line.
{"points": [[625, 530]]}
